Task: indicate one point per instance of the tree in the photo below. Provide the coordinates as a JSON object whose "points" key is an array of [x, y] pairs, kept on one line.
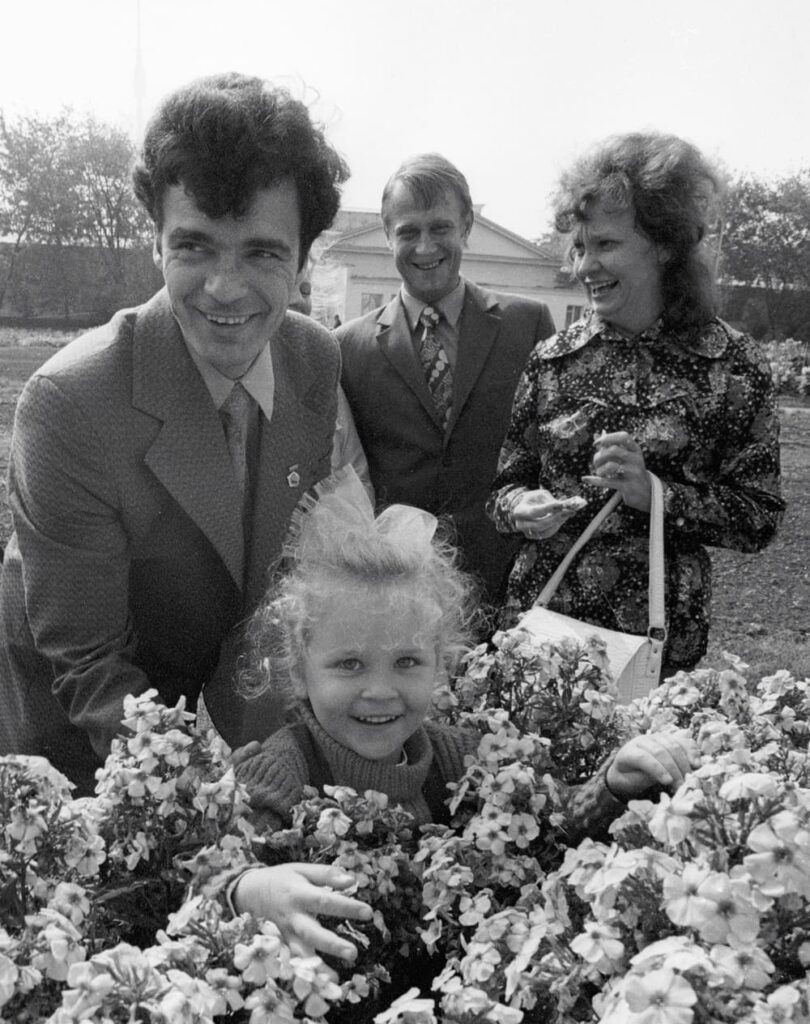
{"points": [[766, 254], [108, 213], [66, 179], [36, 185]]}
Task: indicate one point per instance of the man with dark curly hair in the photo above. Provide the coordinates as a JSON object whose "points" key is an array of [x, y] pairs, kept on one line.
{"points": [[156, 460]]}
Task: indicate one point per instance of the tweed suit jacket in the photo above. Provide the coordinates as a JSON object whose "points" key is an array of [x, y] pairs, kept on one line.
{"points": [[127, 568], [411, 458]]}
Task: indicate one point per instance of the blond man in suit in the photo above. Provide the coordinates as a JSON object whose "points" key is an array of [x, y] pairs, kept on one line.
{"points": [[439, 455], [156, 460]]}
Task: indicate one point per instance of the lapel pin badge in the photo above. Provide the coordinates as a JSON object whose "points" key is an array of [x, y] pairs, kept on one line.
{"points": [[294, 477]]}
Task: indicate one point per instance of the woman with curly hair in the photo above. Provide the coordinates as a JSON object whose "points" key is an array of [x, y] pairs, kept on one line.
{"points": [[650, 379]]}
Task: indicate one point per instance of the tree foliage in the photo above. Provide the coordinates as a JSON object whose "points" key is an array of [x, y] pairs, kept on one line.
{"points": [[766, 254], [64, 179], [107, 213]]}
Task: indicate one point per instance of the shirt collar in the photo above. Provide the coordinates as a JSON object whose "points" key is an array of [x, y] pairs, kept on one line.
{"points": [[450, 304], [258, 380], [710, 343]]}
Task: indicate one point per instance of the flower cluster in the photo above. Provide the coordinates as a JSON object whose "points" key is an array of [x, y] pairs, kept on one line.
{"points": [[377, 843], [88, 888], [692, 908], [563, 692], [699, 910]]}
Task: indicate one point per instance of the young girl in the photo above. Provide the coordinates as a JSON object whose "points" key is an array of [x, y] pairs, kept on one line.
{"points": [[371, 617]]}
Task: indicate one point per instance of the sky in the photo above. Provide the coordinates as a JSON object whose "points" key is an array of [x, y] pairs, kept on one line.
{"points": [[509, 90]]}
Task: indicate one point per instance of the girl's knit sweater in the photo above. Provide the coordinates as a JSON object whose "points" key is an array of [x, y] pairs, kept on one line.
{"points": [[277, 775]]}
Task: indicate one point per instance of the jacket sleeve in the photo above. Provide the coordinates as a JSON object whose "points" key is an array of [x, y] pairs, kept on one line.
{"points": [[589, 808], [347, 449], [740, 505], [75, 559], [545, 324]]}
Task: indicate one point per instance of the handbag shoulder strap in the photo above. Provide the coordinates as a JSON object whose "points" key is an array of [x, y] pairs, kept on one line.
{"points": [[550, 589], [656, 580]]}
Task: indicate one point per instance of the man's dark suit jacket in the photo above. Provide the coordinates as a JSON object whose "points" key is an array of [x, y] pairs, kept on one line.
{"points": [[127, 568], [411, 458]]}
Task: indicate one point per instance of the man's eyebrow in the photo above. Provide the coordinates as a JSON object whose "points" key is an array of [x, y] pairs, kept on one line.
{"points": [[181, 234], [265, 242], [187, 235]]}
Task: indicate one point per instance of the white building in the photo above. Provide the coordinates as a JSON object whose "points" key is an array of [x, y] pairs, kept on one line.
{"points": [[356, 272]]}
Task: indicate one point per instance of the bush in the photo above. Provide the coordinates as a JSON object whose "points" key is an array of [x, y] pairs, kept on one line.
{"points": [[790, 365]]}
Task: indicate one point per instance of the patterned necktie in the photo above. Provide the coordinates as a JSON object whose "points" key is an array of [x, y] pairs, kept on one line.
{"points": [[235, 413], [437, 370]]}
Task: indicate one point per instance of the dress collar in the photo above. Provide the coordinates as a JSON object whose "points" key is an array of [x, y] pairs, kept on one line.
{"points": [[711, 343]]}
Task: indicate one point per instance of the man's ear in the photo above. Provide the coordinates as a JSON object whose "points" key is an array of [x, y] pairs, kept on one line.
{"points": [[157, 256], [663, 254]]}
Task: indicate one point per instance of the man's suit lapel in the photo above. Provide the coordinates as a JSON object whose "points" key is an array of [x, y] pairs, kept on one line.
{"points": [[478, 328], [189, 456], [278, 483], [394, 339]]}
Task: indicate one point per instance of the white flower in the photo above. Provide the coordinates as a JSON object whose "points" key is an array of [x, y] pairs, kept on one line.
{"points": [[312, 985], [59, 945], [734, 912], [259, 960], [409, 1009], [660, 997], [88, 988], [780, 848], [71, 900], [9, 973], [744, 966], [139, 849], [598, 944], [682, 902], [748, 785], [671, 820]]}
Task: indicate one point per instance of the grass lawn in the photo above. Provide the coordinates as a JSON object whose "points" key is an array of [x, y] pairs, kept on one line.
{"points": [[761, 607]]}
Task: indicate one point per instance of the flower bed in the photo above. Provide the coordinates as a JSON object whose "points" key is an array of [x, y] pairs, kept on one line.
{"points": [[695, 908], [790, 365]]}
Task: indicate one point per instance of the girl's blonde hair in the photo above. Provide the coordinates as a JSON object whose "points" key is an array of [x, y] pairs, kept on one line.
{"points": [[338, 547]]}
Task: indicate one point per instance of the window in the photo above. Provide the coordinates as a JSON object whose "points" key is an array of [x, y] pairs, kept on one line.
{"points": [[369, 301], [572, 313]]}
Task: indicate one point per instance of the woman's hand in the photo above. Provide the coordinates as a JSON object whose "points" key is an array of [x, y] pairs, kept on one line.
{"points": [[618, 462], [655, 758], [294, 896], [538, 515]]}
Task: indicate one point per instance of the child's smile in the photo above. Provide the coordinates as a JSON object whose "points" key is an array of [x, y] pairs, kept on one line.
{"points": [[370, 673]]}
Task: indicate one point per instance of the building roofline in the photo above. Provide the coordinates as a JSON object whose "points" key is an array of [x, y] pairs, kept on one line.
{"points": [[535, 250]]}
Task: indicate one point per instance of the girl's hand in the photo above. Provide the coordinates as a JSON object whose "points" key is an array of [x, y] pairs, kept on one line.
{"points": [[294, 896], [655, 758], [538, 515], [244, 753], [618, 463]]}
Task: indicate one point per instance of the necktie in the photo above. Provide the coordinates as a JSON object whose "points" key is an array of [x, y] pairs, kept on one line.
{"points": [[234, 413], [437, 370]]}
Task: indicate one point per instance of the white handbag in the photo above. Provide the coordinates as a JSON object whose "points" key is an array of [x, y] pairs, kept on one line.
{"points": [[634, 660]]}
